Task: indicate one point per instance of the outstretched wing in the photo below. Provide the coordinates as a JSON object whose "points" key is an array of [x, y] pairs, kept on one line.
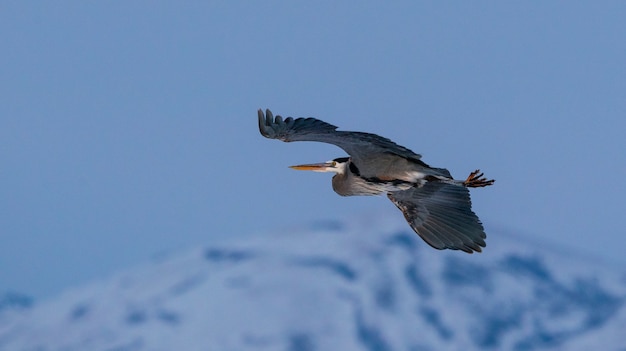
{"points": [[442, 215], [360, 146]]}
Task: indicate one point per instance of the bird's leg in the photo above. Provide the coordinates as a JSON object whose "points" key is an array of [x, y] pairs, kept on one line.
{"points": [[476, 180]]}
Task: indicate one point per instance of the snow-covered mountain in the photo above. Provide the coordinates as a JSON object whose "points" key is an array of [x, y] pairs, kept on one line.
{"points": [[337, 286]]}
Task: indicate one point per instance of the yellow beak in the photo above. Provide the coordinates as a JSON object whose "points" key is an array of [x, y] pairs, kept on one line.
{"points": [[319, 167]]}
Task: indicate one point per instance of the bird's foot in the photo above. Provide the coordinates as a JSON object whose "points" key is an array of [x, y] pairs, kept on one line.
{"points": [[476, 180]]}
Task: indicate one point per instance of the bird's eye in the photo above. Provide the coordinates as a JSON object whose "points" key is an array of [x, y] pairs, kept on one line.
{"points": [[334, 164]]}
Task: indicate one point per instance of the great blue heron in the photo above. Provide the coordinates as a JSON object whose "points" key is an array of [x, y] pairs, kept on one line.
{"points": [[435, 205]]}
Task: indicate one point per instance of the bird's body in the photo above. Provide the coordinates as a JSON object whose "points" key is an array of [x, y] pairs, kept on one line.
{"points": [[396, 174], [434, 204]]}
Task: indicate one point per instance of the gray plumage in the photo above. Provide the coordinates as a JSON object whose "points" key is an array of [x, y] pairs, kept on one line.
{"points": [[436, 206]]}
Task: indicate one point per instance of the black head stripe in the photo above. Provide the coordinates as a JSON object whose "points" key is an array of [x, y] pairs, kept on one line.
{"points": [[342, 159]]}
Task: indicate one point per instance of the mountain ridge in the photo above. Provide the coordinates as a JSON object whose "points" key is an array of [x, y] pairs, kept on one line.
{"points": [[357, 285]]}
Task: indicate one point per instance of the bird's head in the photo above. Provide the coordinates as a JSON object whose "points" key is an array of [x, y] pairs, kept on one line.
{"points": [[337, 165]]}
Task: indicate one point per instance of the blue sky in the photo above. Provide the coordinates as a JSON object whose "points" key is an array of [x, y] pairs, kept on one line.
{"points": [[129, 128]]}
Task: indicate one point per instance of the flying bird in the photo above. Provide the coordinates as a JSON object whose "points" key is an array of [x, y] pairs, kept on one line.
{"points": [[436, 206]]}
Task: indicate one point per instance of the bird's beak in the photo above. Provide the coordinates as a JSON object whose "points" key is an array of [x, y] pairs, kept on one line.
{"points": [[316, 167]]}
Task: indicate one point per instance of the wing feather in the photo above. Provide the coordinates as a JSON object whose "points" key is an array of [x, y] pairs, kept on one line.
{"points": [[357, 144], [441, 214]]}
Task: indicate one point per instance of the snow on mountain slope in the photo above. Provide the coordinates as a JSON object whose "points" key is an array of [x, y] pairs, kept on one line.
{"points": [[337, 286]]}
